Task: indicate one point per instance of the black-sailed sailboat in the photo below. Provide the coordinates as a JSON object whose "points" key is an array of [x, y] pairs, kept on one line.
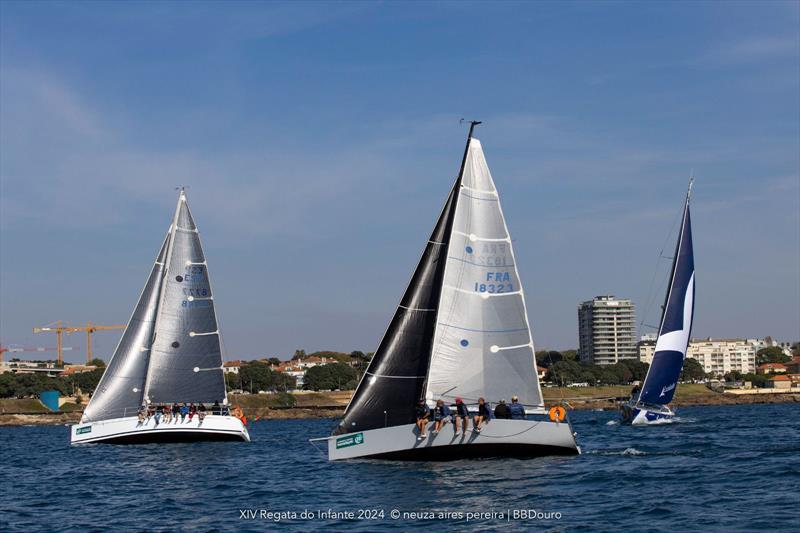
{"points": [[169, 357], [460, 333], [650, 404]]}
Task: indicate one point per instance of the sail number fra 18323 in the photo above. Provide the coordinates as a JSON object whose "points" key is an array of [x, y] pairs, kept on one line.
{"points": [[496, 282]]}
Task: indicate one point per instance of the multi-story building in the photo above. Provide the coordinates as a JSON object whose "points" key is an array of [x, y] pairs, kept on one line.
{"points": [[717, 356], [607, 330]]}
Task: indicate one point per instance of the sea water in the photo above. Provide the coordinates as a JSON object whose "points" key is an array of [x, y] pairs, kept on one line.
{"points": [[724, 468]]}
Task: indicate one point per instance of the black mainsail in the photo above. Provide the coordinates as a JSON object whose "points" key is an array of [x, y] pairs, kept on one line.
{"points": [[395, 379]]}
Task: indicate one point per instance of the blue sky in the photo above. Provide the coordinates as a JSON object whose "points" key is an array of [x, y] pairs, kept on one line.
{"points": [[319, 141]]}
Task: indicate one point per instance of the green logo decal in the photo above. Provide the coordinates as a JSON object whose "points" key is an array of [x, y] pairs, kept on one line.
{"points": [[84, 429], [350, 440]]}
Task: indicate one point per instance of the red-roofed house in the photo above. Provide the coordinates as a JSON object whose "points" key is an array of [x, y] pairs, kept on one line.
{"points": [[779, 382], [541, 371], [231, 367], [772, 368]]}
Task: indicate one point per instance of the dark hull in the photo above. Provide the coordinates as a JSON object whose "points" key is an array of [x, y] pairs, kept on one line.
{"points": [[474, 451]]}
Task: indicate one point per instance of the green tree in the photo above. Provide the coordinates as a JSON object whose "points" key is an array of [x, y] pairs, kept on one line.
{"points": [[87, 381], [255, 376], [99, 363], [332, 376], [298, 355], [274, 361], [545, 358], [233, 381], [30, 385], [771, 354], [637, 368], [692, 370], [570, 355]]}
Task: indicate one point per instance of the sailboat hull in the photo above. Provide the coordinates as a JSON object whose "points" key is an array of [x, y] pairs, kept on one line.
{"points": [[129, 430], [498, 438], [637, 414]]}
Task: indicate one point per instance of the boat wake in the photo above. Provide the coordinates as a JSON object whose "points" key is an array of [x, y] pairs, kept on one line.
{"points": [[632, 451], [626, 451]]}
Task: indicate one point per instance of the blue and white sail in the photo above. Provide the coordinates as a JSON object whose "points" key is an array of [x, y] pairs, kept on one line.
{"points": [[676, 322]]}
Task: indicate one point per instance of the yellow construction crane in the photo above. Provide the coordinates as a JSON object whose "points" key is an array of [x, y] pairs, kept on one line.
{"points": [[59, 330]]}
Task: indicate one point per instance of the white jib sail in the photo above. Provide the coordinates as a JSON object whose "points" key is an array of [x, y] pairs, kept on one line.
{"points": [[482, 345]]}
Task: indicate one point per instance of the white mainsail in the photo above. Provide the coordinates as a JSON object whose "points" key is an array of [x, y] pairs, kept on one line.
{"points": [[482, 343]]}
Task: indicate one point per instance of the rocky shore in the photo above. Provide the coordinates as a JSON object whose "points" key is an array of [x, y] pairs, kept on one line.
{"points": [[331, 405]]}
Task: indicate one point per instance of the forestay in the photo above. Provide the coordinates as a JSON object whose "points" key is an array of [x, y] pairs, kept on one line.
{"points": [[482, 344]]}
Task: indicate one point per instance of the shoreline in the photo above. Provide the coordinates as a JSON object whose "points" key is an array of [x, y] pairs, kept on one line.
{"points": [[257, 407]]}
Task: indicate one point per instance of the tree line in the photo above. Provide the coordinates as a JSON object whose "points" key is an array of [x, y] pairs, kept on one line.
{"points": [[26, 385], [563, 369]]}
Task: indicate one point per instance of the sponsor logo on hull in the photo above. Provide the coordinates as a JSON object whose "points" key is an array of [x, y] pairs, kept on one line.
{"points": [[349, 440]]}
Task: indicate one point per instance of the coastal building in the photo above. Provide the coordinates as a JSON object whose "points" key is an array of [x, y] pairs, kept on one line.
{"points": [[231, 367], [606, 330], [541, 372], [716, 356], [47, 368], [70, 370], [769, 342], [779, 382], [772, 368], [721, 356]]}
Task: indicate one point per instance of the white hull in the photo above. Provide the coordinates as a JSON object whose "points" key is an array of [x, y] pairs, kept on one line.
{"points": [[129, 430], [498, 438], [639, 414]]}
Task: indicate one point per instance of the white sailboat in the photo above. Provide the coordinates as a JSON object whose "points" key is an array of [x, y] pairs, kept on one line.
{"points": [[461, 330], [169, 354], [650, 405]]}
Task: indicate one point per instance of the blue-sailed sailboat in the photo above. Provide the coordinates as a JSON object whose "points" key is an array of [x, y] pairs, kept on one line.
{"points": [[650, 404]]}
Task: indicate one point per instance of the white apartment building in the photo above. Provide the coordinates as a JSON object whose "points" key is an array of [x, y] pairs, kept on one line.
{"points": [[607, 332], [717, 356]]}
